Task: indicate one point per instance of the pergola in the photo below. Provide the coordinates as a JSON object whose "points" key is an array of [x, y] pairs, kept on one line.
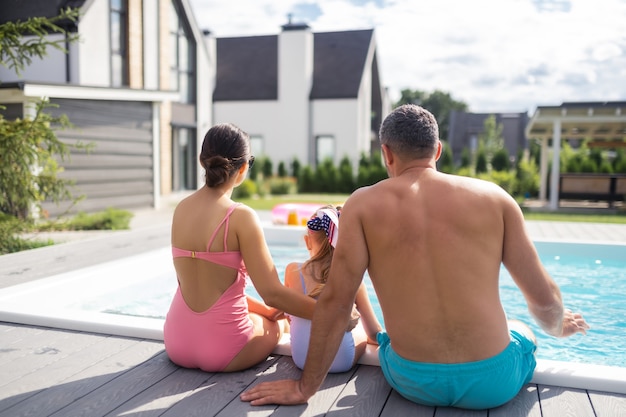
{"points": [[602, 122]]}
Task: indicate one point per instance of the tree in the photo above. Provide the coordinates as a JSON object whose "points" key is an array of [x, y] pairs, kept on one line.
{"points": [[29, 147], [16, 51], [439, 103], [491, 138]]}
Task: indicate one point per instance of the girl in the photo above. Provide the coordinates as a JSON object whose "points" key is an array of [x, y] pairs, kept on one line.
{"points": [[310, 277], [216, 243]]}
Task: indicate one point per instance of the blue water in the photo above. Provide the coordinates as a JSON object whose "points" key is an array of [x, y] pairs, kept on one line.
{"points": [[592, 279]]}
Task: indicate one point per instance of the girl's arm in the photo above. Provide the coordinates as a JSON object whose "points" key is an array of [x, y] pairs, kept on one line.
{"points": [[262, 309], [368, 317]]}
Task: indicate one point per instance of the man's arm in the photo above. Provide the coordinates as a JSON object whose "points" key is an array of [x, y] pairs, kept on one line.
{"points": [[331, 317], [541, 292]]}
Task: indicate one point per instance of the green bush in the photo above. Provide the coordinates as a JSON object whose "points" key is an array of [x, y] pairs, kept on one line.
{"points": [[10, 240], [282, 170], [306, 180], [346, 177], [282, 186], [500, 160], [109, 219], [505, 179], [246, 189], [527, 176], [481, 161]]}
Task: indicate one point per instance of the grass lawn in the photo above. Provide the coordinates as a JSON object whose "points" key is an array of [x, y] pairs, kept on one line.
{"points": [[267, 203]]}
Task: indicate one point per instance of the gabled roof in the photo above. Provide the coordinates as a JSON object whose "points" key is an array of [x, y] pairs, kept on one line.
{"points": [[14, 10], [247, 67], [339, 61]]}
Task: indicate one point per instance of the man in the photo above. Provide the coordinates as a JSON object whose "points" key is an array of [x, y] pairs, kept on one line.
{"points": [[433, 245]]}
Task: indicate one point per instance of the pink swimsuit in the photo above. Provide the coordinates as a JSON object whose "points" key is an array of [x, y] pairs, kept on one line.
{"points": [[211, 339]]}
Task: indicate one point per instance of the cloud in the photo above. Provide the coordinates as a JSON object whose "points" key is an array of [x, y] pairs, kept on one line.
{"points": [[496, 55]]}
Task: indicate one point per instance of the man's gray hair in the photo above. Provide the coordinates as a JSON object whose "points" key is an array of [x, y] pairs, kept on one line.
{"points": [[411, 132]]}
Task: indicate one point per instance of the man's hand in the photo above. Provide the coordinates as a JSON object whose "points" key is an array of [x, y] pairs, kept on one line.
{"points": [[573, 323], [285, 392]]}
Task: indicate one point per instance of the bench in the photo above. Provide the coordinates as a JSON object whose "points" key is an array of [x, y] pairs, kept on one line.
{"points": [[594, 187]]}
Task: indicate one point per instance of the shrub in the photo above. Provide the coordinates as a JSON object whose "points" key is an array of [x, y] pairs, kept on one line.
{"points": [[346, 177], [246, 189], [109, 219], [10, 240], [306, 180], [282, 186], [282, 171], [500, 160]]}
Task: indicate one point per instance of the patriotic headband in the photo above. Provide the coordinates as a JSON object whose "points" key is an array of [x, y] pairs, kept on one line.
{"points": [[328, 221]]}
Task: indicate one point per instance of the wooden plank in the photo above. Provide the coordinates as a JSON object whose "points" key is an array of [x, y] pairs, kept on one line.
{"points": [[459, 412], [324, 398], [119, 390], [525, 404], [213, 396], [608, 404], [86, 381], [61, 370], [39, 352], [165, 394], [397, 405], [563, 402], [88, 175], [364, 394], [281, 369], [14, 342]]}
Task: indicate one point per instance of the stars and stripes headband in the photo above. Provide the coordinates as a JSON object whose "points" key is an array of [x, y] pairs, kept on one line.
{"points": [[328, 221]]}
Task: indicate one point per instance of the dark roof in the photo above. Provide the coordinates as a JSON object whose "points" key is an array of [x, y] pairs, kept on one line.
{"points": [[339, 61], [247, 67], [14, 10]]}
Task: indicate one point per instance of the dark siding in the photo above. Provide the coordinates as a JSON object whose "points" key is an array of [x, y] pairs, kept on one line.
{"points": [[11, 111], [117, 170]]}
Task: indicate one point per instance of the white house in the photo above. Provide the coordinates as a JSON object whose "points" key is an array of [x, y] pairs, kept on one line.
{"points": [[136, 85], [301, 94]]}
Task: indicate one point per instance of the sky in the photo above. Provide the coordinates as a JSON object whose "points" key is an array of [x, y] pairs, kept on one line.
{"points": [[494, 55]]}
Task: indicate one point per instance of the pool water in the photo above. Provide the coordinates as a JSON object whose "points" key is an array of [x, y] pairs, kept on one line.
{"points": [[592, 282]]}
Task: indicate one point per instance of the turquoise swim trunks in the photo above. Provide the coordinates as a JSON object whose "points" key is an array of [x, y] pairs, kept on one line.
{"points": [[477, 385]]}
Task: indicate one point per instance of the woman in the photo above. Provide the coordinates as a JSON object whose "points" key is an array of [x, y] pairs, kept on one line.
{"points": [[216, 243]]}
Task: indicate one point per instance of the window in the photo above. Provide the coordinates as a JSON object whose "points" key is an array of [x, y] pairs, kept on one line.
{"points": [[256, 145], [182, 58], [119, 43], [183, 159], [324, 148]]}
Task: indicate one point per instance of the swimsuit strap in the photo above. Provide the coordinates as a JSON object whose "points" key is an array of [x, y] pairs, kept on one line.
{"points": [[224, 221], [302, 279]]}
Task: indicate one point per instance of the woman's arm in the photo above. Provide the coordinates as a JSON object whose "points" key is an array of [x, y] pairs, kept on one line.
{"points": [[262, 270]]}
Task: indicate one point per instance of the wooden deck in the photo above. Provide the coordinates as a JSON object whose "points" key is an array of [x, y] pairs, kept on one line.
{"points": [[51, 372]]}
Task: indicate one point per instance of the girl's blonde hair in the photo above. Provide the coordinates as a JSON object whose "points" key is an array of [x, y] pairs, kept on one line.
{"points": [[318, 266]]}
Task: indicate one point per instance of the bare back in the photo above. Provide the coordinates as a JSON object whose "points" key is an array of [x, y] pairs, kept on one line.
{"points": [[436, 270], [195, 219]]}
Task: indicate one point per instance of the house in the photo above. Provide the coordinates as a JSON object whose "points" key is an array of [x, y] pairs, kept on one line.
{"points": [[134, 86], [465, 130], [302, 95]]}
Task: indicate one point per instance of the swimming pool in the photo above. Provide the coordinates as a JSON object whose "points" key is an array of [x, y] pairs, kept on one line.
{"points": [[130, 296]]}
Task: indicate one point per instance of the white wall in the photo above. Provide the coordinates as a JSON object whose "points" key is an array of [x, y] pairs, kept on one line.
{"points": [[266, 119], [338, 118], [94, 46], [292, 120], [150, 45]]}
